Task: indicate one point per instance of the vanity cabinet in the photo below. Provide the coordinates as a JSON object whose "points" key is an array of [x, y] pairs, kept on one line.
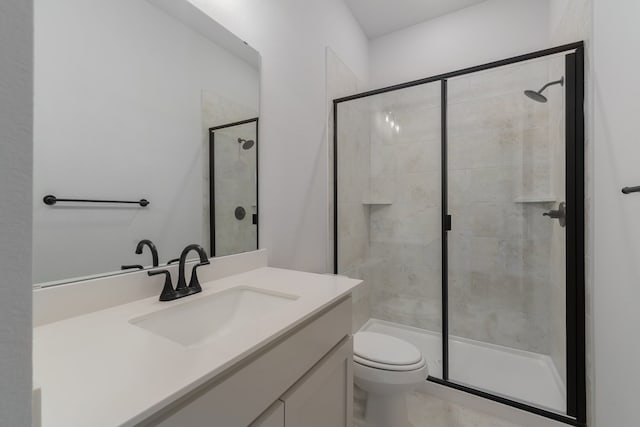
{"points": [[324, 397], [304, 379]]}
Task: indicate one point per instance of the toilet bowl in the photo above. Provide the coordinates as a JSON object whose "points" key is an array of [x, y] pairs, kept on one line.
{"points": [[387, 368]]}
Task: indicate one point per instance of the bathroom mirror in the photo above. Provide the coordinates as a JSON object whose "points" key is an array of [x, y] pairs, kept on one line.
{"points": [[134, 101]]}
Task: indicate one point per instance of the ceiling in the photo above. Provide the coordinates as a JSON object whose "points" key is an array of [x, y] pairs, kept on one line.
{"points": [[379, 17]]}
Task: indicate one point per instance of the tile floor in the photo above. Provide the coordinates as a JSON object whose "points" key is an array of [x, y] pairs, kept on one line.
{"points": [[428, 411]]}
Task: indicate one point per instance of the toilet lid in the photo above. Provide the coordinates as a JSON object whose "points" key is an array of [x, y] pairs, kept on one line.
{"points": [[386, 367], [385, 349]]}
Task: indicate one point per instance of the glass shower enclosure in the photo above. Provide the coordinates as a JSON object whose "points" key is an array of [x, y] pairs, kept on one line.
{"points": [[459, 200]]}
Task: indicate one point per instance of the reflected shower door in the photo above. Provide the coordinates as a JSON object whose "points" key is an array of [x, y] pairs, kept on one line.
{"points": [[233, 188], [507, 245]]}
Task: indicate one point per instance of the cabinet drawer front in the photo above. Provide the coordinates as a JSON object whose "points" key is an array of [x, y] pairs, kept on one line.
{"points": [[239, 397], [324, 396]]}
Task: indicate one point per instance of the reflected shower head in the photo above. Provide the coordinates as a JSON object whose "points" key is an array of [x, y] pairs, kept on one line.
{"points": [[246, 144], [538, 96]]}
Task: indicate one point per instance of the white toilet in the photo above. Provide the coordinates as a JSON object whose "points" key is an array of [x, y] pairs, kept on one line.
{"points": [[387, 368]]}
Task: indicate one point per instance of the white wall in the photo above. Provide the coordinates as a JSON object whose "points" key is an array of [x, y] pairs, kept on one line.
{"points": [[118, 115], [570, 21], [15, 211], [489, 31], [291, 36], [616, 240]]}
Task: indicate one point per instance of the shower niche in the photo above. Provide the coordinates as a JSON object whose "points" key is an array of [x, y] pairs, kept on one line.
{"points": [[449, 193]]}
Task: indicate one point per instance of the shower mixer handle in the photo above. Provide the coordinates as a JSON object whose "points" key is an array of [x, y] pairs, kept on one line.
{"points": [[560, 214]]}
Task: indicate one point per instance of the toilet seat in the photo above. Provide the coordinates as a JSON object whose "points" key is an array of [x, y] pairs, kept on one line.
{"points": [[399, 368], [385, 352]]}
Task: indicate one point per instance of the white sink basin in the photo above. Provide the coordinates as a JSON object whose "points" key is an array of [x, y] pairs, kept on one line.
{"points": [[211, 317]]}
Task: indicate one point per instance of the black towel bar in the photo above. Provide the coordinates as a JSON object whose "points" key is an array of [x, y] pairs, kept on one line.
{"points": [[52, 200]]}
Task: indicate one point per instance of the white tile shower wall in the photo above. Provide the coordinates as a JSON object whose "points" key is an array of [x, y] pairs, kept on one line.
{"points": [[499, 257], [404, 263], [499, 169]]}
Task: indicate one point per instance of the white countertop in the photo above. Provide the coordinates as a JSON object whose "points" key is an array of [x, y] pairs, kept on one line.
{"points": [[99, 370]]}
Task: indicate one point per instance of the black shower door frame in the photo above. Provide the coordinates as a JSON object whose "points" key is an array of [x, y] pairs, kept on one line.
{"points": [[575, 250], [212, 189]]}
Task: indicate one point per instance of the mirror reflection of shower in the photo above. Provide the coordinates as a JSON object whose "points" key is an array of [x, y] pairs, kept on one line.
{"points": [[538, 96], [233, 211]]}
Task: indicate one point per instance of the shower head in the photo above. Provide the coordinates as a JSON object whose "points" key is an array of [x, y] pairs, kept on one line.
{"points": [[246, 144], [538, 96]]}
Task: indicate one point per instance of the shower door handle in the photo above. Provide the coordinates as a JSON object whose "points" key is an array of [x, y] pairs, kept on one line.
{"points": [[560, 214]]}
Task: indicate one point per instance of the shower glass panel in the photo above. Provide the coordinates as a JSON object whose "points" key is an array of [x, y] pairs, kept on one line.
{"points": [[506, 249], [388, 223]]}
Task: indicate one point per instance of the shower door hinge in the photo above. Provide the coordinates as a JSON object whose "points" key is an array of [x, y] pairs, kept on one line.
{"points": [[447, 223]]}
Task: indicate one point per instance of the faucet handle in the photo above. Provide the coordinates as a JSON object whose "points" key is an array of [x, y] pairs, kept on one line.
{"points": [[194, 283], [132, 267], [168, 293]]}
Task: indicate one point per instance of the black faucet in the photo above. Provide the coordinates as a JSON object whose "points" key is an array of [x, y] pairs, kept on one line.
{"points": [[182, 280], [152, 248], [182, 290]]}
